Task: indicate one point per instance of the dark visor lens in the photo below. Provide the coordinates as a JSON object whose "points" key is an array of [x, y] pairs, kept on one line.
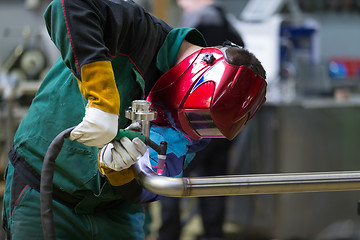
{"points": [[203, 124]]}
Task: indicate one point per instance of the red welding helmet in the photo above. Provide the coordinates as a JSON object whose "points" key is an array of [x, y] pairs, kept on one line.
{"points": [[207, 97]]}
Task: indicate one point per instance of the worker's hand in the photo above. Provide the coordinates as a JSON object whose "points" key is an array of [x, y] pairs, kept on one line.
{"points": [[96, 129], [120, 155]]}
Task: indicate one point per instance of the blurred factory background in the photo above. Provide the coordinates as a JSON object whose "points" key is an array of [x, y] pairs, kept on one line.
{"points": [[311, 121]]}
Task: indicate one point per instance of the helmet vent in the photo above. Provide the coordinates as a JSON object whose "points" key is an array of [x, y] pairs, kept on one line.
{"points": [[208, 58]]}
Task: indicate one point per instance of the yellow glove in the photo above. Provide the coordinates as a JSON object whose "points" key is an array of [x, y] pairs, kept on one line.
{"points": [[100, 123]]}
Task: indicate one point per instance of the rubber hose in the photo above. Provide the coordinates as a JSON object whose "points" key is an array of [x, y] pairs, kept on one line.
{"points": [[46, 184]]}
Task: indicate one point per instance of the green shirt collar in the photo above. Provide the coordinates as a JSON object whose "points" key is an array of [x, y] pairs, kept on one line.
{"points": [[167, 54]]}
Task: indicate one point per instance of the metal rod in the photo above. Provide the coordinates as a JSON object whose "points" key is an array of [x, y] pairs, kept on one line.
{"points": [[252, 184]]}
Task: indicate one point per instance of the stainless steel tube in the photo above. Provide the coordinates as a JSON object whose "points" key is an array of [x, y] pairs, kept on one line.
{"points": [[247, 184]]}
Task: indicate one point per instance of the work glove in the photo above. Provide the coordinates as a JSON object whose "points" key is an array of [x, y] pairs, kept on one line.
{"points": [[120, 155], [96, 129], [116, 157]]}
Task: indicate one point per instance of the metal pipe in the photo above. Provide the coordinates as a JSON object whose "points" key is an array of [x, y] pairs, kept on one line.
{"points": [[252, 184]]}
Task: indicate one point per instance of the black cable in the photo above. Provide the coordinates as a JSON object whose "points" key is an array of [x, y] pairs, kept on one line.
{"points": [[46, 184]]}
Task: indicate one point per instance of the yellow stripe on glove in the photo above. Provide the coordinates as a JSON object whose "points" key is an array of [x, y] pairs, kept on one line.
{"points": [[98, 86], [117, 178]]}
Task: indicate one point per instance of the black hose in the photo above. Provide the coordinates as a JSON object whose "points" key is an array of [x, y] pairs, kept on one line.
{"points": [[46, 184]]}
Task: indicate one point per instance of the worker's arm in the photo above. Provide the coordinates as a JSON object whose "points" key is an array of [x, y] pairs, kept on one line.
{"points": [[76, 28], [100, 123]]}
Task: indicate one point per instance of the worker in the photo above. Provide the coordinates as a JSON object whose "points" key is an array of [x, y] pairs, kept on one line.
{"points": [[114, 52]]}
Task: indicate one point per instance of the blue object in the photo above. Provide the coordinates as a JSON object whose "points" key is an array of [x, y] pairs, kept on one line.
{"points": [[337, 70]]}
